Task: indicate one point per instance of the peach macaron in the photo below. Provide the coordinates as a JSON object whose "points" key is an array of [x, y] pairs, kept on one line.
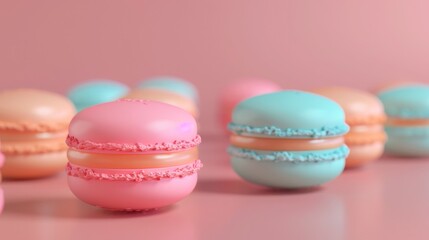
{"points": [[164, 96], [132, 155], [33, 129], [365, 116]]}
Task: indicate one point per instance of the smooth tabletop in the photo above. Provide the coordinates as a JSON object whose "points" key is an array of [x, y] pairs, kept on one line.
{"points": [[388, 199]]}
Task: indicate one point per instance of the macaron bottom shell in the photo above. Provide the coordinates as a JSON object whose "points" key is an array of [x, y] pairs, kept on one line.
{"points": [[286, 174], [362, 154], [133, 196], [408, 141], [37, 165]]}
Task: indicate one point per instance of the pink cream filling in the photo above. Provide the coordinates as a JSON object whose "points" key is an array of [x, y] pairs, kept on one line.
{"points": [[87, 145], [132, 175]]}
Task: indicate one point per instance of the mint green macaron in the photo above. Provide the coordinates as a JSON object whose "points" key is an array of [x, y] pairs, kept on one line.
{"points": [[304, 120], [408, 105]]}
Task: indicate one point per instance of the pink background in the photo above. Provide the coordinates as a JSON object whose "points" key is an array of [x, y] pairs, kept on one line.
{"points": [[300, 44]]}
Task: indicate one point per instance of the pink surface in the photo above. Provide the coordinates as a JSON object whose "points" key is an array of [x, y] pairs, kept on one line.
{"points": [[238, 91], [133, 126], [299, 44], [368, 203]]}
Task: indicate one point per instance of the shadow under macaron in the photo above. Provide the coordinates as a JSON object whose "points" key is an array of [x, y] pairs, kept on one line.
{"points": [[238, 187]]}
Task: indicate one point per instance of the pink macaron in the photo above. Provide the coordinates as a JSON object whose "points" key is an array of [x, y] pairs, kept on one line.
{"points": [[240, 90], [133, 155]]}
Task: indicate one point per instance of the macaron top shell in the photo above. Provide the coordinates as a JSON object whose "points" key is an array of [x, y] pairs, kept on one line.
{"points": [[96, 91], [130, 125], [359, 106], [409, 102], [293, 114], [34, 110], [172, 84]]}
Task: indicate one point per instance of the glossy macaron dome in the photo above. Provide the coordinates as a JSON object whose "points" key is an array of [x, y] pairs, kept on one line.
{"points": [[96, 92], [365, 116], [407, 126], [172, 84], [133, 154], [238, 91], [288, 139], [33, 129], [164, 96]]}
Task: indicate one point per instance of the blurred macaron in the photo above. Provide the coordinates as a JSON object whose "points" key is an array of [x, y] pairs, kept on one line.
{"points": [[240, 90], [33, 130], [95, 92], [171, 84], [407, 126], [365, 116], [164, 96]]}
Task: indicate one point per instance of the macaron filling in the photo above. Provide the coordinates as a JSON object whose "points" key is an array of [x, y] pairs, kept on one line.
{"points": [[407, 122], [366, 120], [291, 156], [273, 131], [33, 126], [132, 161], [13, 136], [365, 134], [133, 175], [285, 144], [29, 143]]}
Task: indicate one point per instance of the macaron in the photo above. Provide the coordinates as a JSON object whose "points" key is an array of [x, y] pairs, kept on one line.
{"points": [[240, 90], [33, 129], [365, 116], [96, 92], [407, 126], [164, 96], [172, 84], [132, 155], [288, 139]]}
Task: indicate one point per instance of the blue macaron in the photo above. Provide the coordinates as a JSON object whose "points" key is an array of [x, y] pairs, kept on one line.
{"points": [[96, 92], [407, 127], [172, 84], [288, 139]]}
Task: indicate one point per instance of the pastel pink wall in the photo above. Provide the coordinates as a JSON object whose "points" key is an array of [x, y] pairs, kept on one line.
{"points": [[55, 44]]}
